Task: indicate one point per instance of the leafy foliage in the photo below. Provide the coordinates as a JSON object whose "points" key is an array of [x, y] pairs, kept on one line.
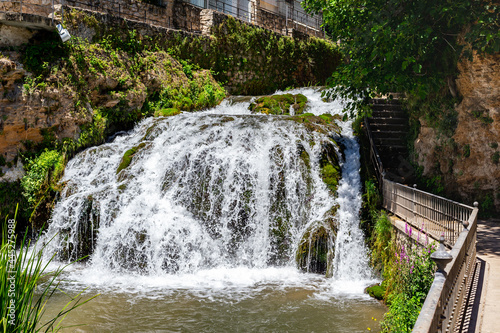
{"points": [[402, 45], [38, 172], [276, 61]]}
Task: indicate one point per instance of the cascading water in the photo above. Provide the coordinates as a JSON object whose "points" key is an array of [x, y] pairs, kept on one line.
{"points": [[211, 200]]}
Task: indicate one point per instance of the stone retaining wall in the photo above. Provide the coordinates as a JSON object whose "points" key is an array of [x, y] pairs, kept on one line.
{"points": [[167, 13], [186, 16]]}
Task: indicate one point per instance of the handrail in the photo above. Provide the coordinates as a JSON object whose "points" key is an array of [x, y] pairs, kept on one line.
{"points": [[437, 216], [374, 155], [441, 309]]}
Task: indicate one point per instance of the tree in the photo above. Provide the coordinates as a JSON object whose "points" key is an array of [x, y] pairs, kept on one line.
{"points": [[405, 46]]}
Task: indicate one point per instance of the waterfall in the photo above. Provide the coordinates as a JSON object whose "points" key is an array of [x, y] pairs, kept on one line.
{"points": [[220, 189]]}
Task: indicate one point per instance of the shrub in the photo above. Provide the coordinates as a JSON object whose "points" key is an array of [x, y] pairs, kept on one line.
{"points": [[410, 275], [39, 172]]}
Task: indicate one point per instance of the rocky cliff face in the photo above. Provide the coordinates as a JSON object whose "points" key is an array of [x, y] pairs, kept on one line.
{"points": [[89, 81], [469, 160], [26, 111]]}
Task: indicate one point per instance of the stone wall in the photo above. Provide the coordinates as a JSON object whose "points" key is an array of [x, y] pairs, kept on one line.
{"points": [[168, 13], [131, 10], [271, 21], [186, 16]]}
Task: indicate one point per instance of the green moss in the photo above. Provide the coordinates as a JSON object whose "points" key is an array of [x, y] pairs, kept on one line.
{"points": [[42, 172], [315, 250], [304, 156], [279, 104], [127, 157], [495, 157], [376, 291], [167, 112], [324, 124], [331, 176]]}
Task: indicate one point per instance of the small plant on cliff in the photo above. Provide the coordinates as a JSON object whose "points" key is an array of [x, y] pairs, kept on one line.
{"points": [[495, 157], [44, 169], [466, 151]]}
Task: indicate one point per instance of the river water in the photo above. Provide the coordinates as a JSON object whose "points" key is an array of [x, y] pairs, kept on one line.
{"points": [[182, 240]]}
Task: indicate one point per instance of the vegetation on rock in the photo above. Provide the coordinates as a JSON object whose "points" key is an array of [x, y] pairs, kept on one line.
{"points": [[406, 267], [315, 250], [443, 58], [127, 157], [93, 90], [279, 104]]}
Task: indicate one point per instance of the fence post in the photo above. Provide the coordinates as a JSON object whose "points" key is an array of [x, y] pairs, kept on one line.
{"points": [[414, 204], [286, 18], [21, 17]]}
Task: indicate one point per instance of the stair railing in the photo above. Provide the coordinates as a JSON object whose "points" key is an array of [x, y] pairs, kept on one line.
{"points": [[374, 155], [444, 305]]}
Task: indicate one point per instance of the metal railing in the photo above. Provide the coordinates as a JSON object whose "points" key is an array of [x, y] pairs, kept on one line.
{"points": [[374, 155], [437, 216], [295, 20], [442, 308]]}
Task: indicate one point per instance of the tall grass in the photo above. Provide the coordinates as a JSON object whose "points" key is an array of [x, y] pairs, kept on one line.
{"points": [[26, 285]]}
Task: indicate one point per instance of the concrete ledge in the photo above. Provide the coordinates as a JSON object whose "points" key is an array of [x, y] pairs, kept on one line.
{"points": [[29, 21]]}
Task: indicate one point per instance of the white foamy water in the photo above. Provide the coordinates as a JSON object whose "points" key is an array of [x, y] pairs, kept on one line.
{"points": [[199, 206]]}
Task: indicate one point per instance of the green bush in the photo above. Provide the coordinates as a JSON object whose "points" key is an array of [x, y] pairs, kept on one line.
{"points": [[49, 165], [410, 275]]}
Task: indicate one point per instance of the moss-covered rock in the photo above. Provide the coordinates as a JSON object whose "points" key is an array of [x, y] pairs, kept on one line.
{"points": [[167, 112], [280, 104], [317, 246], [127, 157], [376, 291], [316, 249], [85, 235], [330, 167], [325, 123]]}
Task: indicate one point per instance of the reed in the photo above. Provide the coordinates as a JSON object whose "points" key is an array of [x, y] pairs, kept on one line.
{"points": [[26, 285]]}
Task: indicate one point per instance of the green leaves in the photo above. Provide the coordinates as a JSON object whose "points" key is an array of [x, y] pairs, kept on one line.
{"points": [[403, 45], [39, 171]]}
